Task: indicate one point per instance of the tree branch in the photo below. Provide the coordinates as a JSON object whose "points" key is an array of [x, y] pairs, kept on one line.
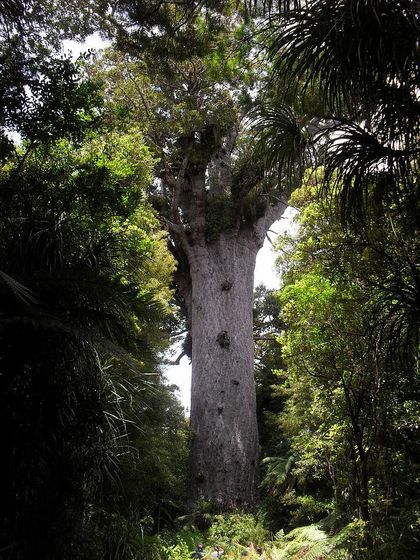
{"points": [[273, 337], [176, 226], [263, 224]]}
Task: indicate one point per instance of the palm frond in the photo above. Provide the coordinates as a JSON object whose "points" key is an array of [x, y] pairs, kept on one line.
{"points": [[341, 46], [361, 168], [320, 540], [282, 143]]}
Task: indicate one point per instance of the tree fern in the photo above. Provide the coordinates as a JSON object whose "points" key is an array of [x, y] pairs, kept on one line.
{"points": [[317, 541], [277, 472]]}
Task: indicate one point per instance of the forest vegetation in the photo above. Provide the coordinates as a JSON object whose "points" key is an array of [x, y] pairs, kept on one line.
{"points": [[137, 185]]}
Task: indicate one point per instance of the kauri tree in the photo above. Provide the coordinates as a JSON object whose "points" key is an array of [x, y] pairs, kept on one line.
{"points": [[217, 202]]}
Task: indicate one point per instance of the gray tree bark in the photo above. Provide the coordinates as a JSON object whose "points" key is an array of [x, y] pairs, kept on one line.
{"points": [[224, 450], [216, 281]]}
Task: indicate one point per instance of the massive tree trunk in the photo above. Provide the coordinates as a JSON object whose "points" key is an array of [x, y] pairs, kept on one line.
{"points": [[215, 278], [224, 451]]}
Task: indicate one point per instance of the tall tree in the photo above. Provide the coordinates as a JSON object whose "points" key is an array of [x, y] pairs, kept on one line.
{"points": [[217, 202]]}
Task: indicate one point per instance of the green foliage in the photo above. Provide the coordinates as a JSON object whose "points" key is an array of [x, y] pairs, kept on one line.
{"points": [[169, 545], [345, 398], [77, 238], [318, 541], [267, 327], [233, 529], [177, 103], [42, 95], [306, 508], [277, 472], [276, 459], [221, 215], [153, 472], [345, 52], [281, 140]]}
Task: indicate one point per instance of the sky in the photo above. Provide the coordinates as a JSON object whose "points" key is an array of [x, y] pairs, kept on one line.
{"points": [[94, 42], [265, 273]]}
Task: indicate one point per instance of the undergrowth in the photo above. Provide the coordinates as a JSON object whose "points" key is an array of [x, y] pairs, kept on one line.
{"points": [[235, 531]]}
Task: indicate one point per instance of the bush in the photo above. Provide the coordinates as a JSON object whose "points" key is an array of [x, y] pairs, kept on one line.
{"points": [[170, 546], [233, 529]]}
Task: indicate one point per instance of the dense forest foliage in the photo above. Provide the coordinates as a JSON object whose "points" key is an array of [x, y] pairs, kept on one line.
{"points": [[189, 134]]}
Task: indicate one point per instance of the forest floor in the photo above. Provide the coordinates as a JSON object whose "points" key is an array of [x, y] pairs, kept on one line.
{"points": [[242, 536]]}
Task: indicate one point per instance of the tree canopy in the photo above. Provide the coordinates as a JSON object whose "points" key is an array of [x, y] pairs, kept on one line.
{"points": [[137, 185]]}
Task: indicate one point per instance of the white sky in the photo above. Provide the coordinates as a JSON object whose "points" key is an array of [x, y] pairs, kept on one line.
{"points": [[93, 42]]}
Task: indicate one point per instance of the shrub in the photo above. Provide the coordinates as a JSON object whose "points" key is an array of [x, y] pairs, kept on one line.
{"points": [[234, 529], [170, 546]]}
